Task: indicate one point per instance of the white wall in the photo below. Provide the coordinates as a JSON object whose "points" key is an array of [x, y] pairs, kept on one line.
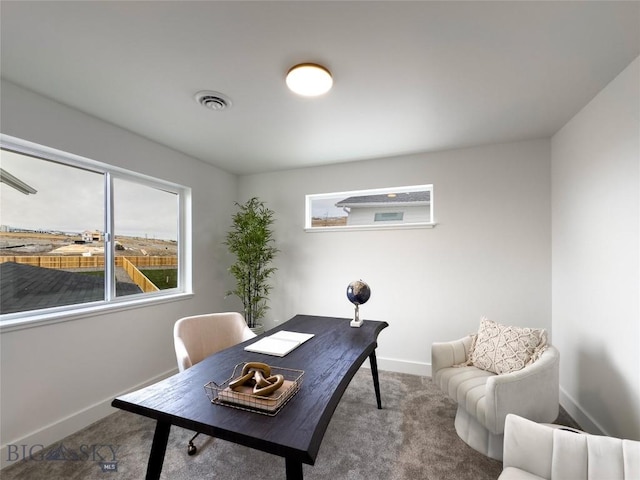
{"points": [[595, 205], [489, 254], [59, 378]]}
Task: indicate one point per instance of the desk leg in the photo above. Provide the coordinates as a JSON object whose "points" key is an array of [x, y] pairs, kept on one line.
{"points": [[374, 372], [293, 469], [158, 449]]}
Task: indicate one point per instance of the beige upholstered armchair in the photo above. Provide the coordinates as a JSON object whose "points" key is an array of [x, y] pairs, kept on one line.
{"points": [[485, 398]]}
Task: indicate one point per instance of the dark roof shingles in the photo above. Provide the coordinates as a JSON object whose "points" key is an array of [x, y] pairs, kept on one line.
{"points": [[25, 287], [406, 197]]}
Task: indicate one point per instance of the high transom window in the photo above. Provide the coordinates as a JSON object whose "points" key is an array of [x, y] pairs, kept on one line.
{"points": [[392, 207]]}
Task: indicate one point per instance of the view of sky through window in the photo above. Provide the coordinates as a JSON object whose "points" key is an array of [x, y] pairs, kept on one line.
{"points": [[67, 200], [71, 200]]}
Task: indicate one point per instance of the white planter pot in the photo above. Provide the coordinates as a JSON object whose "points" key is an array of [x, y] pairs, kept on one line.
{"points": [[258, 329]]}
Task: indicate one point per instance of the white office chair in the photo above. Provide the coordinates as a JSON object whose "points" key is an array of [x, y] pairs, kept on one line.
{"points": [[199, 336]]}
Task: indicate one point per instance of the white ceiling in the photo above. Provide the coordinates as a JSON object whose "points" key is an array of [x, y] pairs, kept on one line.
{"points": [[409, 76]]}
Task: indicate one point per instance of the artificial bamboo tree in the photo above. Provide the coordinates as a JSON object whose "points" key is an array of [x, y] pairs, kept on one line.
{"points": [[251, 240]]}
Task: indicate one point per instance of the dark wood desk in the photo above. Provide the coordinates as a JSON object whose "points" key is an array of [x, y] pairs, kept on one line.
{"points": [[330, 360]]}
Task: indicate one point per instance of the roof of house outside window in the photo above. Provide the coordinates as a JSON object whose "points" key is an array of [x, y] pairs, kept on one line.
{"points": [[416, 198], [26, 287]]}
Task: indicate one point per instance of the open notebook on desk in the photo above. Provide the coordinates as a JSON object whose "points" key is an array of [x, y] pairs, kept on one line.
{"points": [[279, 344]]}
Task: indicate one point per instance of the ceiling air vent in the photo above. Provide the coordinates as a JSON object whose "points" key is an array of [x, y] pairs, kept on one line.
{"points": [[213, 100]]}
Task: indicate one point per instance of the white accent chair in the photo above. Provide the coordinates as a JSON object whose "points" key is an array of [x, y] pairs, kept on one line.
{"points": [[197, 337], [485, 399], [542, 452]]}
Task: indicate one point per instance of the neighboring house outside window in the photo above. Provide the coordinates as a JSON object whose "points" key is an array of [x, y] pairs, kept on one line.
{"points": [[391, 208]]}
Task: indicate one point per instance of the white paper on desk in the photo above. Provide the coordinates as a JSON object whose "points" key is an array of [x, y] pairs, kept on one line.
{"points": [[295, 336], [279, 344]]}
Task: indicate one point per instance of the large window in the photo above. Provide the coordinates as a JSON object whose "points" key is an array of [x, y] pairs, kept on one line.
{"points": [[77, 234]]}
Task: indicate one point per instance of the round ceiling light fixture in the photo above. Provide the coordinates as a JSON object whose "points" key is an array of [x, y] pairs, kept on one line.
{"points": [[213, 100], [309, 79]]}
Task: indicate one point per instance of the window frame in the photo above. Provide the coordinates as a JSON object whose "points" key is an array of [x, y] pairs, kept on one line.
{"points": [[385, 217], [111, 302], [374, 225]]}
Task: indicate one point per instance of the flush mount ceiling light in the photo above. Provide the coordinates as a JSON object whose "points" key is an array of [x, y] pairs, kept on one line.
{"points": [[309, 79], [213, 100]]}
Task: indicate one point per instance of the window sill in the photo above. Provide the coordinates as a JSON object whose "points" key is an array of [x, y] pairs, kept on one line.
{"points": [[406, 226], [38, 320]]}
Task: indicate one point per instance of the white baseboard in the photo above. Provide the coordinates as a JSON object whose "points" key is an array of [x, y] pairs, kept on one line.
{"points": [[56, 431], [402, 366], [64, 427], [572, 407], [586, 422]]}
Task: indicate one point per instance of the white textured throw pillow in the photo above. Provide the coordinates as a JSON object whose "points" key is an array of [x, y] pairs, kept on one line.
{"points": [[502, 349]]}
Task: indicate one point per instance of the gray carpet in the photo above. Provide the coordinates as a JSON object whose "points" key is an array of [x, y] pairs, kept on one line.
{"points": [[412, 437]]}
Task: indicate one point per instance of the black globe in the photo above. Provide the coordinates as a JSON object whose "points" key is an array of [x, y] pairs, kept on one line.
{"points": [[358, 292]]}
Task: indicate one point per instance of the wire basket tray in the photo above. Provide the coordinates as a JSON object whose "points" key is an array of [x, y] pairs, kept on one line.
{"points": [[267, 405]]}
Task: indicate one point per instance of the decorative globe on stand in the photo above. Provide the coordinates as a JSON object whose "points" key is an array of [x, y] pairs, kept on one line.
{"points": [[358, 292]]}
